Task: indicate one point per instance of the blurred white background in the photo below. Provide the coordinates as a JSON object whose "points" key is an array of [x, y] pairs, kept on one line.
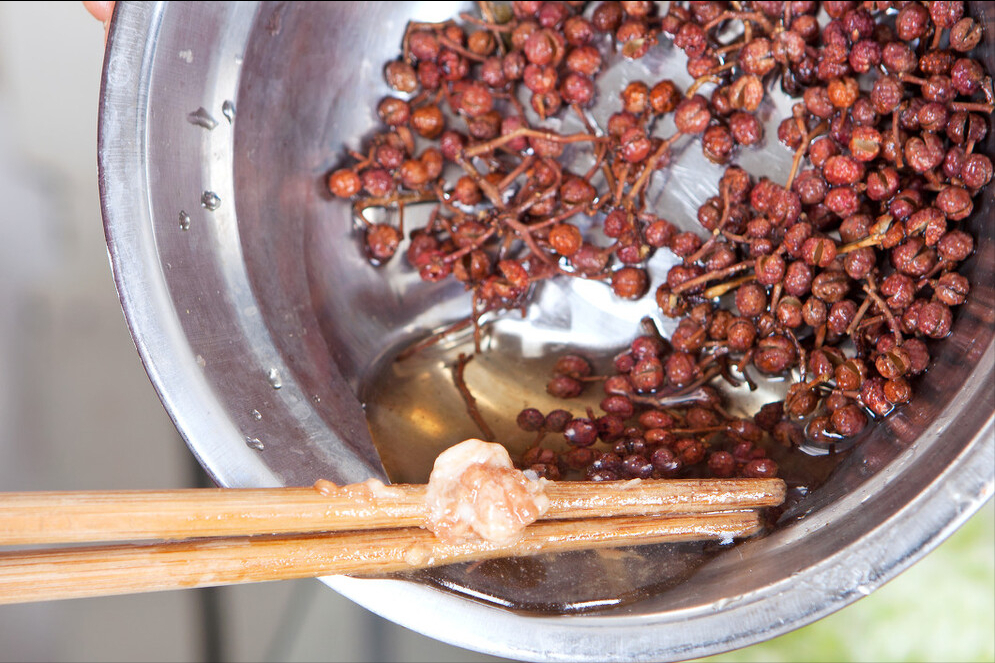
{"points": [[77, 412]]}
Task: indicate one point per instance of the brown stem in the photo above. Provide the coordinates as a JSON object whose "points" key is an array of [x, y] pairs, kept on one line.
{"points": [[937, 38], [871, 321], [802, 149], [579, 112], [775, 295], [417, 25], [609, 179], [385, 201], [698, 82], [524, 165], [820, 335], [650, 165], [706, 247], [894, 139], [600, 152], [711, 276], [524, 232], [433, 339], [725, 66], [528, 132], [489, 189], [877, 234], [620, 184], [883, 307], [535, 198], [729, 48], [557, 218], [475, 314], [476, 244], [866, 304], [914, 80], [753, 17], [986, 87], [468, 399], [971, 106], [453, 46], [723, 288]]}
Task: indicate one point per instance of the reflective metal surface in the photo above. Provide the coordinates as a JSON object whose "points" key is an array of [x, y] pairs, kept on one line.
{"points": [[263, 329]]}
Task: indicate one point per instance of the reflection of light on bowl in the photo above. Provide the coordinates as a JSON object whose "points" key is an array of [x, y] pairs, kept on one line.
{"points": [[265, 281]]}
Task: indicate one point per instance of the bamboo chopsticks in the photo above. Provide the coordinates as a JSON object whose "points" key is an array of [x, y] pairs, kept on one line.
{"points": [[83, 516], [251, 535]]}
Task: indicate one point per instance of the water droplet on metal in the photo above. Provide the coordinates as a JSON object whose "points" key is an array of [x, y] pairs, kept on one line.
{"points": [[202, 118], [274, 378], [228, 110], [210, 200], [256, 415], [254, 443], [184, 220]]}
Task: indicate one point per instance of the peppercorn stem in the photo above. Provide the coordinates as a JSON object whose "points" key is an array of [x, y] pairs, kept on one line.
{"points": [[820, 336], [557, 218], [894, 139], [525, 233], [475, 244], [579, 112], [453, 46], [914, 80], [471, 402], [711, 276], [802, 149], [754, 17], [937, 38], [417, 25], [524, 165], [877, 234], [729, 48], [698, 82], [528, 132], [866, 304], [971, 106], [385, 201], [883, 307], [433, 338], [649, 166], [723, 288], [600, 152], [489, 189], [725, 66], [775, 295], [710, 242], [986, 87]]}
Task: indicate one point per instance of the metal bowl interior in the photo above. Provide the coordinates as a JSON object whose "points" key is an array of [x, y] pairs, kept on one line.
{"points": [[265, 332]]}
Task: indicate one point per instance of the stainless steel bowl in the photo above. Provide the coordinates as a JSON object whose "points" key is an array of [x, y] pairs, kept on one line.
{"points": [[265, 332]]}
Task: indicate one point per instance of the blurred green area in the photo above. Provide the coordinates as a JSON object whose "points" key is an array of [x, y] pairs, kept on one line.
{"points": [[942, 609]]}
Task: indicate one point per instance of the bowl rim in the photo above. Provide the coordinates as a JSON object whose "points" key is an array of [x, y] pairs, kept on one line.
{"points": [[825, 587]]}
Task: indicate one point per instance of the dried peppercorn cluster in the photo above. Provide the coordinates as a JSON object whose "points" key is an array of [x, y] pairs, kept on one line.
{"points": [[834, 277]]}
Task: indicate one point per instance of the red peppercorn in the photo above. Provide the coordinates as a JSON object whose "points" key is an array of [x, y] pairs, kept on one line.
{"points": [[344, 183], [629, 282]]}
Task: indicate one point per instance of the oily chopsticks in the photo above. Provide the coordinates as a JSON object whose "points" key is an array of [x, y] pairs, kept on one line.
{"points": [[252, 535], [128, 515]]}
